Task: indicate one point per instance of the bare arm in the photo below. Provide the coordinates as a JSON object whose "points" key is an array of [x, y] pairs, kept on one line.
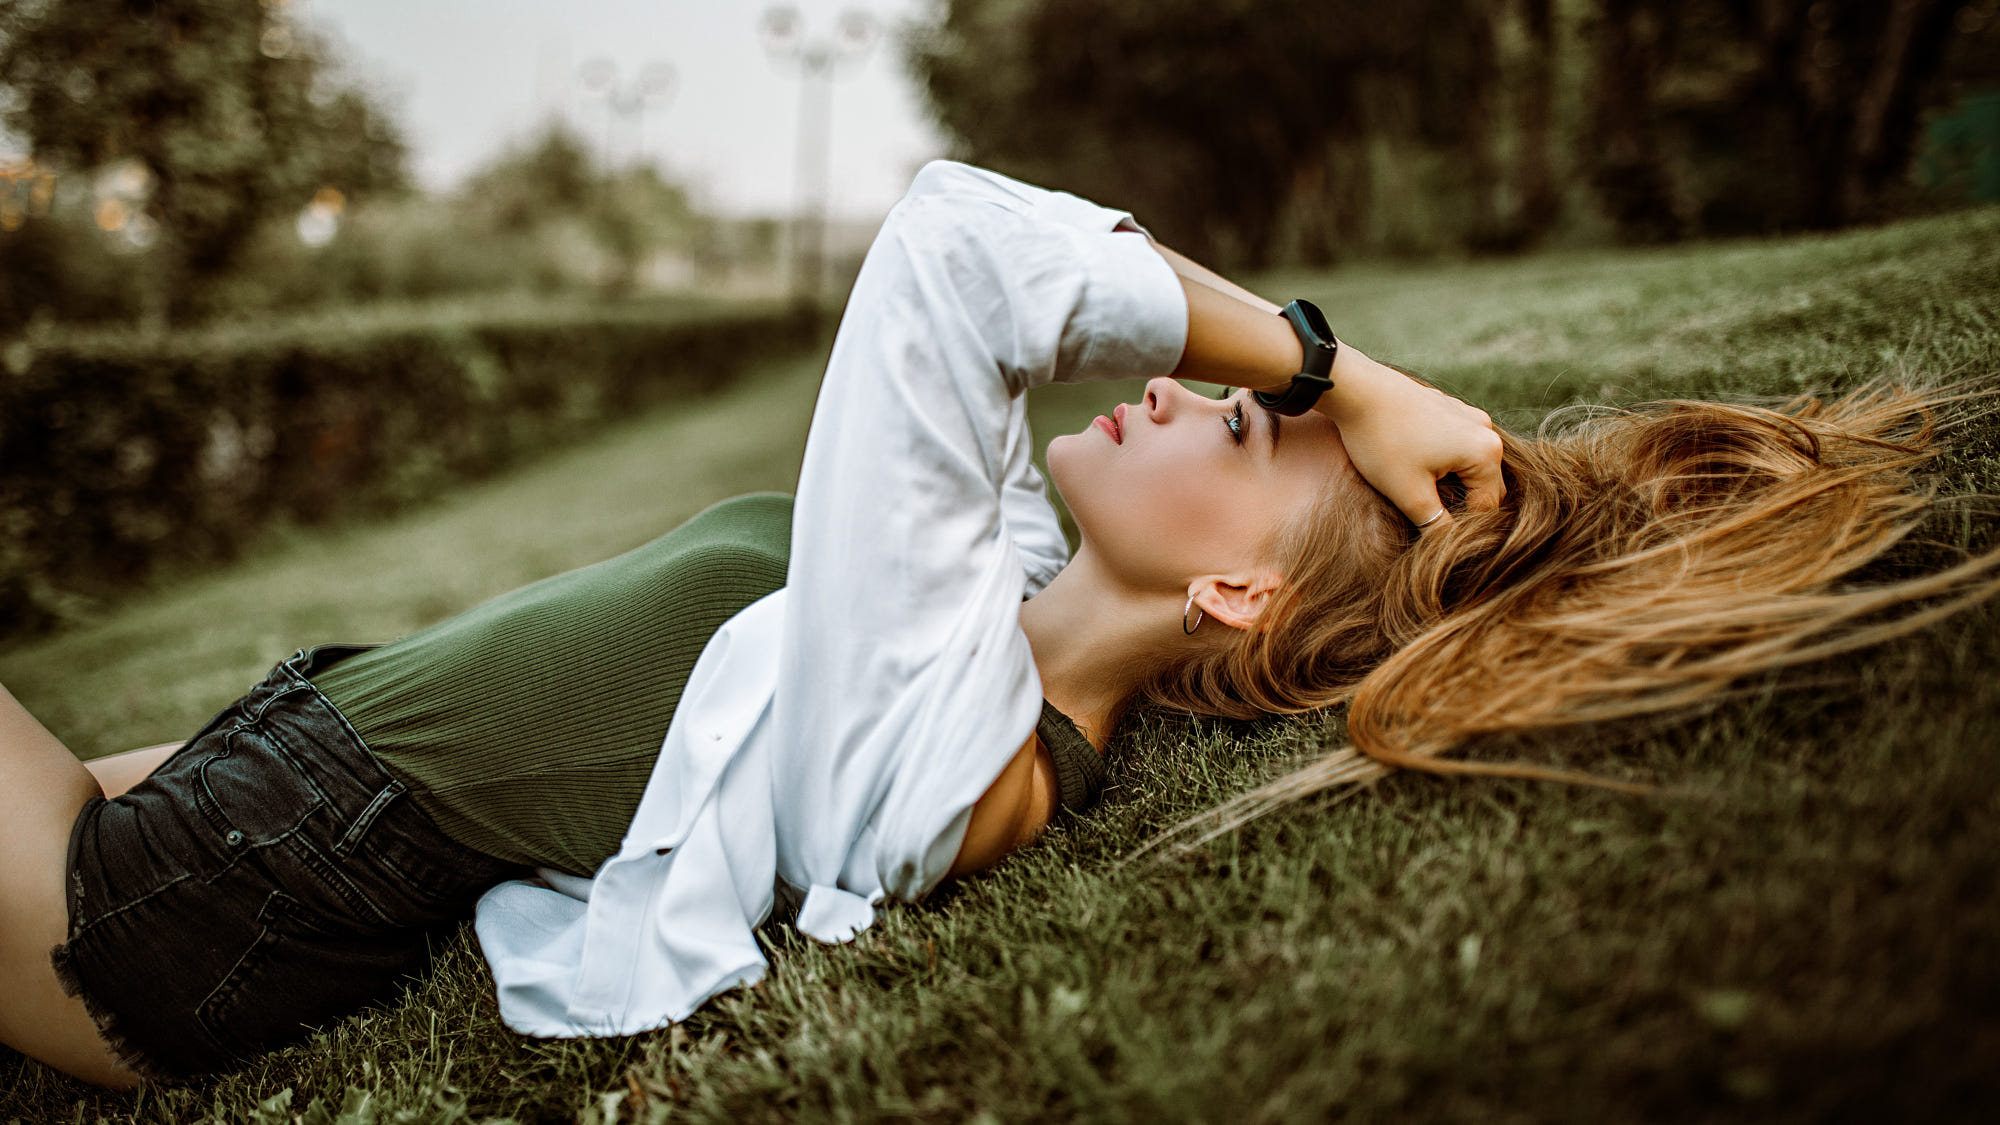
{"points": [[1192, 270], [1015, 808], [1402, 436]]}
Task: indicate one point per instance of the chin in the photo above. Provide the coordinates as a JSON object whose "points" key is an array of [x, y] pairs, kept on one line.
{"points": [[1065, 457], [1071, 474]]}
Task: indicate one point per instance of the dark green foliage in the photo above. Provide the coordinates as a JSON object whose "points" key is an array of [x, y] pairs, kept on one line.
{"points": [[1259, 133], [625, 214], [555, 174], [122, 452], [543, 219], [1962, 149], [60, 266], [232, 113], [1723, 117], [1964, 127], [1212, 118]]}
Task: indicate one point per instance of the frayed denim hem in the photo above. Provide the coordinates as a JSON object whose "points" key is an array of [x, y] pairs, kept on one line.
{"points": [[131, 1057]]}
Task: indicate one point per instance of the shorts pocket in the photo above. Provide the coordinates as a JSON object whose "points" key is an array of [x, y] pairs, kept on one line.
{"points": [[266, 810], [253, 791]]}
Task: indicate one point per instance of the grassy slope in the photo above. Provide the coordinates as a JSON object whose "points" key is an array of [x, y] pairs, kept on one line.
{"points": [[1815, 933]]}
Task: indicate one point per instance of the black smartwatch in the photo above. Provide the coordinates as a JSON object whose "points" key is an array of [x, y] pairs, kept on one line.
{"points": [[1320, 348]]}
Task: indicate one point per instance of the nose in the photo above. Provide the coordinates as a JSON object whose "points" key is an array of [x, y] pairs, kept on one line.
{"points": [[1162, 398]]}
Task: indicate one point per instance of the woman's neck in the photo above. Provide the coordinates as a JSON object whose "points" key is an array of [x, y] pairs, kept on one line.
{"points": [[1094, 644]]}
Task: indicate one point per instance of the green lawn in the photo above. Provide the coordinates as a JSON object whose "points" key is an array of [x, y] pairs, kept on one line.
{"points": [[1810, 930]]}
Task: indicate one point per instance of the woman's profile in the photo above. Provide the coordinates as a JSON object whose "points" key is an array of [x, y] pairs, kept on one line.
{"points": [[799, 708]]}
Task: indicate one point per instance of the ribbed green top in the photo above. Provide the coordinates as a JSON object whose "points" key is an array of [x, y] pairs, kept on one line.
{"points": [[528, 726]]}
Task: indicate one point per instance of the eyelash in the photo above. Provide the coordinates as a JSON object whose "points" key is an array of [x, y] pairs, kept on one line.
{"points": [[1235, 424]]}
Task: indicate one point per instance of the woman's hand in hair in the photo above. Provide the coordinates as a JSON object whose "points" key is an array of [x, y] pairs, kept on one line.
{"points": [[1404, 437]]}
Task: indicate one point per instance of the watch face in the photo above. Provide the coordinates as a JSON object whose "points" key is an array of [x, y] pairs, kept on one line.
{"points": [[1316, 322]]}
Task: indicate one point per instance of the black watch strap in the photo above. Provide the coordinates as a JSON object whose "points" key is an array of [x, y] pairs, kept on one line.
{"points": [[1316, 339]]}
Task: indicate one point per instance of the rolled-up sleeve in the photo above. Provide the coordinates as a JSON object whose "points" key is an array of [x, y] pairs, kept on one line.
{"points": [[1058, 288]]}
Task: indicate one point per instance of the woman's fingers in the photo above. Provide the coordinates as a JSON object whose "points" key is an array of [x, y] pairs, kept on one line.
{"points": [[1417, 498], [1465, 446], [1484, 486], [1404, 437]]}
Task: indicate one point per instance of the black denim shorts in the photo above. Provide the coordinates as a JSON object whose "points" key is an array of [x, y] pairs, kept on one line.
{"points": [[268, 879]]}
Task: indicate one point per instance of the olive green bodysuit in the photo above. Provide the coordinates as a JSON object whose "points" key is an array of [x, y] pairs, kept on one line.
{"points": [[528, 726]]}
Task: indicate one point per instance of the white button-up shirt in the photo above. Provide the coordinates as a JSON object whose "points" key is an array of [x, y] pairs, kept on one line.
{"points": [[837, 733]]}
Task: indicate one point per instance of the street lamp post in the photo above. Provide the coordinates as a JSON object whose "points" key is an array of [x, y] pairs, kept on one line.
{"points": [[819, 60], [654, 85]]}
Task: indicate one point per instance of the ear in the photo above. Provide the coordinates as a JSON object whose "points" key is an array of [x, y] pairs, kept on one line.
{"points": [[1234, 600]]}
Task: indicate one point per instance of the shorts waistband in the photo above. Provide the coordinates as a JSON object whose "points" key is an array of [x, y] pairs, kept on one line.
{"points": [[307, 662]]}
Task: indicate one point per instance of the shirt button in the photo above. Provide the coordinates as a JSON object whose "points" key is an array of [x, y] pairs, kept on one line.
{"points": [[234, 839]]}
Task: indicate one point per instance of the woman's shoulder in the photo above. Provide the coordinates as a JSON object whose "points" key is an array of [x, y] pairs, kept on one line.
{"points": [[749, 507], [755, 526], [753, 519], [741, 534]]}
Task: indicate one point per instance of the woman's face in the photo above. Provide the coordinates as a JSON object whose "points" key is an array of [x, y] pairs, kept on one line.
{"points": [[1180, 485]]}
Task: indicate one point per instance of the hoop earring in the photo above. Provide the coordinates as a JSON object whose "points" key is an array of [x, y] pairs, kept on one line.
{"points": [[1187, 629]]}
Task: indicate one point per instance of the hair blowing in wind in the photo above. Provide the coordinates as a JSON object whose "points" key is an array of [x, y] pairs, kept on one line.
{"points": [[1645, 560]]}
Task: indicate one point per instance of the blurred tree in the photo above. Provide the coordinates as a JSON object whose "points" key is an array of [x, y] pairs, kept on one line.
{"points": [[1534, 173], [1253, 130], [540, 218], [1231, 123], [1200, 113], [641, 214], [217, 114], [627, 216], [1633, 39], [1960, 156], [1756, 115], [1508, 100], [527, 185], [1857, 72]]}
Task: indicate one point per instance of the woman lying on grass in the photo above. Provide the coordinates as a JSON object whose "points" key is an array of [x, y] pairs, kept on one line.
{"points": [[630, 767]]}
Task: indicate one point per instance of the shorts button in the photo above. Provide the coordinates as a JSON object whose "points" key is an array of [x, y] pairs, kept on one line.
{"points": [[234, 839]]}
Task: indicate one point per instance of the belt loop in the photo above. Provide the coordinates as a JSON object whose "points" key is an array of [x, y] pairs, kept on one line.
{"points": [[359, 829], [311, 660], [294, 666]]}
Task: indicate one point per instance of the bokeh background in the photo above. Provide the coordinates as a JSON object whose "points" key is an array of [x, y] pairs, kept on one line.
{"points": [[268, 260], [169, 162]]}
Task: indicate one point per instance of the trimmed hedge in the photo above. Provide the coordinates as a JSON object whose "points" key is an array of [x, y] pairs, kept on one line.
{"points": [[121, 452]]}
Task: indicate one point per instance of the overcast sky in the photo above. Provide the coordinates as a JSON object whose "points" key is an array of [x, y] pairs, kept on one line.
{"points": [[466, 77]]}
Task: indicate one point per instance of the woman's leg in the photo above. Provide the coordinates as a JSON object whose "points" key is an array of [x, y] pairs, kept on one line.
{"points": [[115, 773], [42, 787]]}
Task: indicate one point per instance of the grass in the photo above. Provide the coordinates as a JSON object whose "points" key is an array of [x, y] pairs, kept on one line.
{"points": [[1810, 930]]}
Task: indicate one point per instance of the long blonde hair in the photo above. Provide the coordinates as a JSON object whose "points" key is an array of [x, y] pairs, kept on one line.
{"points": [[1644, 560]]}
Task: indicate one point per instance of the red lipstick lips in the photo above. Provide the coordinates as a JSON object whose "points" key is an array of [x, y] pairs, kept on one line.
{"points": [[1114, 426]]}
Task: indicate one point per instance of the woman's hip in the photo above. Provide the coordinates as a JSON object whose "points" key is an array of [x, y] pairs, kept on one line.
{"points": [[269, 877]]}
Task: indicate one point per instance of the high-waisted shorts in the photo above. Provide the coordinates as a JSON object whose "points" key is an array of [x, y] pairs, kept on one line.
{"points": [[269, 878]]}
